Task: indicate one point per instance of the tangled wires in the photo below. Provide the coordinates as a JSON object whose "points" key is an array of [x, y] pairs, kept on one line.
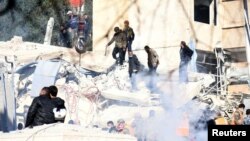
{"points": [[72, 99]]}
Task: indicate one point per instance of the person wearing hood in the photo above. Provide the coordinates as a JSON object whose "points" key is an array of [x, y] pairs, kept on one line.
{"points": [[59, 109]]}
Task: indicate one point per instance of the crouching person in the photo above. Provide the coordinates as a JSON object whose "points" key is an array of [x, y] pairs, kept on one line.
{"points": [[133, 69], [59, 109]]}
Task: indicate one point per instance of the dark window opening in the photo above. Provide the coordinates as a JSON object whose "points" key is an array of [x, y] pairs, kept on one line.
{"points": [[201, 10]]}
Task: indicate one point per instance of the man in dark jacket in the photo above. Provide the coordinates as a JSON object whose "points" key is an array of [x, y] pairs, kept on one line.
{"points": [[134, 64], [133, 68], [153, 59], [130, 36], [59, 107], [120, 44], [111, 127], [87, 28], [185, 55], [72, 26], [41, 111]]}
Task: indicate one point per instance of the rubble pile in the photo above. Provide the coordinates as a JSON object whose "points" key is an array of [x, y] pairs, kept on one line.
{"points": [[64, 132], [91, 98], [87, 93]]}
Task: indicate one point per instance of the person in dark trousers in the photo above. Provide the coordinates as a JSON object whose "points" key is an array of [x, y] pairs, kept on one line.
{"points": [[59, 107], [87, 28], [72, 26], [185, 56], [133, 68], [153, 59], [120, 45], [63, 37], [41, 110], [130, 36], [81, 25]]}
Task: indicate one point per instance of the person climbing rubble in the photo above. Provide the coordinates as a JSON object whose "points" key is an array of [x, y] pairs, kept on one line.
{"points": [[237, 117], [133, 69], [185, 56], [120, 45], [153, 59], [130, 36]]}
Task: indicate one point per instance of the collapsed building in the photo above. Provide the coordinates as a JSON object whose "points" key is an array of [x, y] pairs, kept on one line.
{"points": [[96, 91]]}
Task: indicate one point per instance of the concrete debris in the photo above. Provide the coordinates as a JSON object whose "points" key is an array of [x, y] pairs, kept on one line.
{"points": [[83, 88], [63, 132]]}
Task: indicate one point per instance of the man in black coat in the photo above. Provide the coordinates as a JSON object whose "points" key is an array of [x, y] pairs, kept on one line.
{"points": [[185, 55], [59, 107], [41, 110]]}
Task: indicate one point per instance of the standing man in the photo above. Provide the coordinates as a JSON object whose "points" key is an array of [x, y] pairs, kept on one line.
{"points": [[185, 55], [153, 59], [72, 27], [120, 45], [130, 36], [87, 28]]}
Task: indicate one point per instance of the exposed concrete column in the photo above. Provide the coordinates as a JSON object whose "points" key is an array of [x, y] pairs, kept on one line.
{"points": [[48, 35], [247, 31]]}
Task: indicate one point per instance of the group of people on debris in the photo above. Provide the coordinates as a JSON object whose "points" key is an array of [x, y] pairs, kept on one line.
{"points": [[139, 127], [124, 38], [216, 118], [77, 25], [237, 118], [47, 108]]}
